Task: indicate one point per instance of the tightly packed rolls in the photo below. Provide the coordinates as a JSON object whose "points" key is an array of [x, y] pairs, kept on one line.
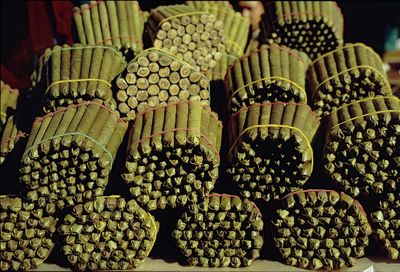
{"points": [[362, 147], [10, 137], [272, 73], [192, 35], [220, 69], [156, 77], [108, 233], [26, 234], [9, 100], [314, 27], [385, 221], [349, 73], [71, 75], [271, 153], [223, 230], [115, 23], [70, 153], [173, 155], [316, 229], [236, 26]]}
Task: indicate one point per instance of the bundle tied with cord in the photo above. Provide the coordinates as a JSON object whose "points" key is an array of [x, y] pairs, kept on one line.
{"points": [[315, 229], [362, 153], [222, 230], [156, 77], [188, 33], [70, 153], [26, 234], [73, 74], [272, 73], [10, 137], [9, 101], [349, 73], [313, 27], [108, 233], [173, 155], [271, 153], [119, 24]]}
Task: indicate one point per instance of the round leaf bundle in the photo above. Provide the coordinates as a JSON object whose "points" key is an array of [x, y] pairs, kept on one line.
{"points": [[271, 153], [272, 73], [78, 73], [314, 27], [223, 230], [70, 152], [10, 137], [236, 26], [385, 220], [8, 102], [26, 234], [349, 73], [156, 77], [173, 155], [108, 233], [320, 228], [362, 153], [192, 35], [115, 23]]}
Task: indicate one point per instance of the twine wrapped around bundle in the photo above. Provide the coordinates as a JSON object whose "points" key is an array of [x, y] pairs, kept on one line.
{"points": [[156, 77], [362, 153], [223, 230], [313, 27], [385, 221], [70, 153], [8, 101], [108, 233], [272, 73], [349, 73], [10, 137], [73, 74], [173, 155], [315, 229], [271, 153], [192, 35], [236, 26], [114, 23], [26, 234]]}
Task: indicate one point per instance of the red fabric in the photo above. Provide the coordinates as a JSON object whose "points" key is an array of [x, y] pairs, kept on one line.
{"points": [[62, 11], [40, 31]]}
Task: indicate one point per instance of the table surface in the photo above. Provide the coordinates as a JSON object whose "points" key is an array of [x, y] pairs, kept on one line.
{"points": [[366, 264]]}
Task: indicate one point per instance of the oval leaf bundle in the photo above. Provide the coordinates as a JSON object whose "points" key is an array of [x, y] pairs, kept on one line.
{"points": [[313, 27], [156, 77], [223, 230], [361, 151], [115, 23], [385, 221], [26, 234], [316, 229], [108, 233], [236, 26], [10, 137], [173, 155], [271, 153], [272, 73], [70, 152], [79, 73], [192, 35], [8, 102], [349, 73]]}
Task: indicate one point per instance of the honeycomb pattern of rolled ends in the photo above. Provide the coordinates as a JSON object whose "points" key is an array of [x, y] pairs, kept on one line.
{"points": [[108, 233], [271, 150], [26, 234], [316, 229], [173, 155], [314, 27], [362, 146], [222, 230]]}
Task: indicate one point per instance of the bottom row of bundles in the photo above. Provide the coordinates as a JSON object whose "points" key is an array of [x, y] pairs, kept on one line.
{"points": [[311, 229]]}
